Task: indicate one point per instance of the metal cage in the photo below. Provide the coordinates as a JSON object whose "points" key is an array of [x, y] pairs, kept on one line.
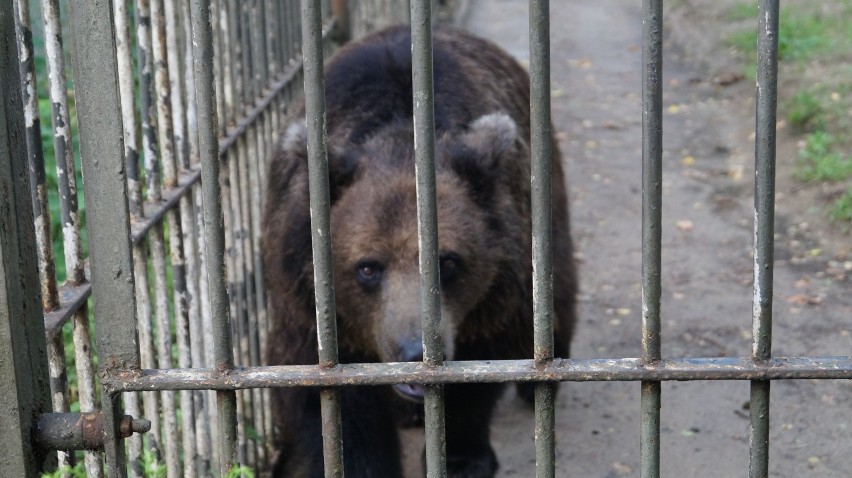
{"points": [[176, 275]]}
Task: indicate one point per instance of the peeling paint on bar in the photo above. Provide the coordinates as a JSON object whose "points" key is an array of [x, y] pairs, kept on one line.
{"points": [[561, 370], [652, 180], [764, 228]]}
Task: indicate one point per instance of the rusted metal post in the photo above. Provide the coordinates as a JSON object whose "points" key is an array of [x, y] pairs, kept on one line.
{"points": [[321, 231], [102, 150], [202, 35], [427, 231], [541, 141], [652, 187], [24, 388], [764, 228]]}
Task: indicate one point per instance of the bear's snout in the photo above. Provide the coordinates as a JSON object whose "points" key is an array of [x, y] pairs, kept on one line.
{"points": [[411, 351]]}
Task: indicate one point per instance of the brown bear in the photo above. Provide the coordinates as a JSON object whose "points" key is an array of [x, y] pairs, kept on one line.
{"points": [[482, 123]]}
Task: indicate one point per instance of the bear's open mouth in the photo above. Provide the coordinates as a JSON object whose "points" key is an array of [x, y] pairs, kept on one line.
{"points": [[410, 391]]}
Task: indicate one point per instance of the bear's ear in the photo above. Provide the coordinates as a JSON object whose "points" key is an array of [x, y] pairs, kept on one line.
{"points": [[342, 163], [295, 138], [477, 154]]}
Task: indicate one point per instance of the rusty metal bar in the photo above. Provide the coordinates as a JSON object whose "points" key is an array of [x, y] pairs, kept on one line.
{"points": [[44, 243], [161, 169], [424, 147], [189, 208], [72, 245], [652, 182], [764, 228], [202, 42], [99, 115], [81, 431], [24, 389], [151, 400], [541, 141], [65, 169], [427, 231], [234, 105], [312, 52], [559, 370], [35, 156]]}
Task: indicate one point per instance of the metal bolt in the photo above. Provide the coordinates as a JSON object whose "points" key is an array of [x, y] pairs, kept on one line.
{"points": [[129, 425]]}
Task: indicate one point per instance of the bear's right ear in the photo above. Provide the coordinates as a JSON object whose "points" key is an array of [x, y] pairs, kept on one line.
{"points": [[342, 163], [295, 139], [477, 155]]}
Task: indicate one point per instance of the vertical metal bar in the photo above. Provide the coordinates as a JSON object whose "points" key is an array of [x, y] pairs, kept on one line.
{"points": [[235, 104], [101, 146], [217, 16], [764, 228], [140, 250], [202, 42], [35, 156], [189, 212], [427, 231], [62, 137], [321, 231], [24, 380], [541, 145], [67, 182], [180, 282], [35, 161], [128, 107], [652, 180], [23, 368], [163, 168], [250, 214]]}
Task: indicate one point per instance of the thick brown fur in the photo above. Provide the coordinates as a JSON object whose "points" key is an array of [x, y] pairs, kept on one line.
{"points": [[482, 125]]}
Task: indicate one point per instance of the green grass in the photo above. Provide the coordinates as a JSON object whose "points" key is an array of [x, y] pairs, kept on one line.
{"points": [[805, 111], [743, 11], [814, 50], [820, 162], [804, 30], [841, 210], [76, 471]]}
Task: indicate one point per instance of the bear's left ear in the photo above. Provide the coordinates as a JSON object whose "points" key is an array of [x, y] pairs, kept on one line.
{"points": [[477, 154]]}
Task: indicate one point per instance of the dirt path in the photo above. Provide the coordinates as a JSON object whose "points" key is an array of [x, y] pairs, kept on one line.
{"points": [[707, 269]]}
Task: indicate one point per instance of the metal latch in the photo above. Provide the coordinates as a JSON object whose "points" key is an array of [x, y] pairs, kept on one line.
{"points": [[81, 431]]}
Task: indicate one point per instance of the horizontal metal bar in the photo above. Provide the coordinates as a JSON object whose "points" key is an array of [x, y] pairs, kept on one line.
{"points": [[169, 199], [71, 298], [272, 91], [560, 370]]}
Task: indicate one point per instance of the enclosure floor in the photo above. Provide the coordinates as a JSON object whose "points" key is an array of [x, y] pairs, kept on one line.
{"points": [[707, 267]]}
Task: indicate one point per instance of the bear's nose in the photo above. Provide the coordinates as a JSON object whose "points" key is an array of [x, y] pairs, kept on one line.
{"points": [[411, 351]]}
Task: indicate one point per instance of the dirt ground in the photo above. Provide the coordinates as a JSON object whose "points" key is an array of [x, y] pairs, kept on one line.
{"points": [[707, 265]]}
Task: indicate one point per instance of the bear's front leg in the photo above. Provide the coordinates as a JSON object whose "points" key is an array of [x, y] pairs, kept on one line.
{"points": [[370, 440], [468, 417]]}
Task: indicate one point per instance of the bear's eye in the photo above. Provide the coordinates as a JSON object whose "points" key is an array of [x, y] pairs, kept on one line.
{"points": [[368, 273], [450, 266]]}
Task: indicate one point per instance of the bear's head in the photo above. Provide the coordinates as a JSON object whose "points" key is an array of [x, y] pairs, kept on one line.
{"points": [[375, 239]]}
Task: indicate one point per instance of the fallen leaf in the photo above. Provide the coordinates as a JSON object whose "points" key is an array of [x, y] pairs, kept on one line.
{"points": [[622, 469], [684, 225], [728, 78], [623, 311], [803, 299], [688, 160], [673, 109]]}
